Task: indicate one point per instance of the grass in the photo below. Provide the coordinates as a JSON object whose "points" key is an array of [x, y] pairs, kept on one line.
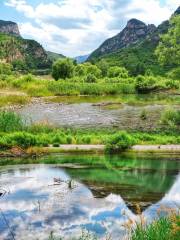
{"points": [[15, 132], [43, 87], [9, 100], [165, 228]]}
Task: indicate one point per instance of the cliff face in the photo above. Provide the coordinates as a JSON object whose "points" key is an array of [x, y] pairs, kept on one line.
{"points": [[8, 27], [134, 32], [18, 51]]}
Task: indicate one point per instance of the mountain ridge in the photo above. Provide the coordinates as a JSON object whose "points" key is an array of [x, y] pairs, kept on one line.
{"points": [[134, 52]]}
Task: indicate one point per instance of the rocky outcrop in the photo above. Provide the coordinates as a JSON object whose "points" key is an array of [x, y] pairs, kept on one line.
{"points": [[134, 32], [9, 27], [22, 53]]}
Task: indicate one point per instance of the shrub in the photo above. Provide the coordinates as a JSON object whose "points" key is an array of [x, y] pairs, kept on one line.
{"points": [[5, 68], [90, 78], [62, 68], [10, 122], [117, 72], [143, 114], [22, 139], [120, 141], [171, 118], [55, 144], [92, 69], [174, 74]]}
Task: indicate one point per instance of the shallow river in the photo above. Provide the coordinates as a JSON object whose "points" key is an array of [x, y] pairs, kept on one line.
{"points": [[40, 199], [122, 112]]}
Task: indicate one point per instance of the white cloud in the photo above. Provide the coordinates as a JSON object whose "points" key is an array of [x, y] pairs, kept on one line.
{"points": [[78, 27]]}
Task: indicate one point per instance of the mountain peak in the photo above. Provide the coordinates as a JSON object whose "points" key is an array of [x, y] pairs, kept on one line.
{"points": [[9, 27], [133, 23]]}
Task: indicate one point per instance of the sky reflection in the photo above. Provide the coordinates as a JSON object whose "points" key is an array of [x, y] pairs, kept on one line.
{"points": [[35, 206]]}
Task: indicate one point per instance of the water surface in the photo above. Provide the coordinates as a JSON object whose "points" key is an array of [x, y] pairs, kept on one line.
{"points": [[122, 111], [101, 197]]}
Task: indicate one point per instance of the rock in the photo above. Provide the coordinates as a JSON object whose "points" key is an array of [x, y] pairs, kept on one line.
{"points": [[9, 27]]}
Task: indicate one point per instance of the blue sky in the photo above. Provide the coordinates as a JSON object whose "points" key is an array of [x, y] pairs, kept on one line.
{"points": [[77, 27]]}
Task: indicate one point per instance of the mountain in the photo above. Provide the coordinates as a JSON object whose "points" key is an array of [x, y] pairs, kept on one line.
{"points": [[134, 47], [52, 56], [22, 53], [134, 32], [81, 59], [8, 27]]}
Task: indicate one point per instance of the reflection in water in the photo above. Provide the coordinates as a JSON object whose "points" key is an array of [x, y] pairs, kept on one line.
{"points": [[35, 206]]}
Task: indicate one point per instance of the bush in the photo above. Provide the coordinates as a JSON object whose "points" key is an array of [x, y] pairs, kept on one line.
{"points": [[92, 69], [171, 118], [5, 68], [117, 72], [174, 74], [90, 78], [120, 141], [62, 68], [22, 139], [10, 122]]}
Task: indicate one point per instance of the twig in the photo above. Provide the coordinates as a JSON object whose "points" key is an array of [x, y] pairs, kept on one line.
{"points": [[5, 220]]}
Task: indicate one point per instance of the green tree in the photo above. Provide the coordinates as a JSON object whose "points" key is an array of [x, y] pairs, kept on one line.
{"points": [[63, 68], [80, 70], [117, 72], [103, 66], [93, 70], [168, 50]]}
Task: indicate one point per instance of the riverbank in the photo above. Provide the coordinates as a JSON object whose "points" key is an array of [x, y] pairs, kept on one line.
{"points": [[101, 148], [87, 148]]}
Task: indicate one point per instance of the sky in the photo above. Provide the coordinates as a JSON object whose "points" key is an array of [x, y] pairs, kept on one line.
{"points": [[77, 27]]}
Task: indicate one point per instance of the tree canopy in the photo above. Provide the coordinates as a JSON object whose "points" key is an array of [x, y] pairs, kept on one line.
{"points": [[168, 50], [62, 69]]}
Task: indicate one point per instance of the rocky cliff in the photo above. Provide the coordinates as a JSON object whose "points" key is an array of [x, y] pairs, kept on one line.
{"points": [[134, 32], [134, 47], [9, 27], [22, 53]]}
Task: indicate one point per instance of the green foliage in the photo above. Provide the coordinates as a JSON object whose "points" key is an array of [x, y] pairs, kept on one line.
{"points": [[92, 69], [22, 139], [62, 69], [171, 118], [168, 50], [143, 114], [120, 141], [136, 59], [10, 122], [9, 100], [22, 54], [117, 72], [164, 228], [174, 74], [5, 68], [146, 84], [90, 78], [103, 66]]}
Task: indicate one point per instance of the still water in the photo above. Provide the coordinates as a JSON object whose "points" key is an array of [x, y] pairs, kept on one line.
{"points": [[39, 198]]}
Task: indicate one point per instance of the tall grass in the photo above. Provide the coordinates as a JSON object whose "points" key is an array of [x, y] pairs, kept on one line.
{"points": [[165, 228], [7, 100], [10, 122]]}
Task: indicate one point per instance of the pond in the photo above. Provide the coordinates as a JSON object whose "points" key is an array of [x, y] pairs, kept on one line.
{"points": [[122, 111], [62, 195]]}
